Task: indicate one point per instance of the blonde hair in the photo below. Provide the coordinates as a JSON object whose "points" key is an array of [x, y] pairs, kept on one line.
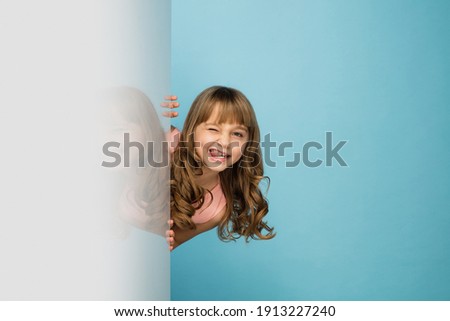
{"points": [[246, 206]]}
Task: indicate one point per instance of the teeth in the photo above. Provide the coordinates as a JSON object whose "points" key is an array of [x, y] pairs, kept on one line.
{"points": [[217, 153]]}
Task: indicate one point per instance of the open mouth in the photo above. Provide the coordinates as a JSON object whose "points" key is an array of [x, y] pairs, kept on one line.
{"points": [[217, 155]]}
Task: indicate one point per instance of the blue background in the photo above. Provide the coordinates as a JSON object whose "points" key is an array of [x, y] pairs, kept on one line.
{"points": [[375, 73]]}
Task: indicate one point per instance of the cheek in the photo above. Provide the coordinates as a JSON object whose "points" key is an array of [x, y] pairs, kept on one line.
{"points": [[238, 151], [197, 138], [198, 151], [202, 139]]}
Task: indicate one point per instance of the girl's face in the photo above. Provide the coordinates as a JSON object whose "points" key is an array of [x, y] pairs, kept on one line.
{"points": [[219, 145]]}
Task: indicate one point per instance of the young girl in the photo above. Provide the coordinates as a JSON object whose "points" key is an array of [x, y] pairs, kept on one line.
{"points": [[216, 168]]}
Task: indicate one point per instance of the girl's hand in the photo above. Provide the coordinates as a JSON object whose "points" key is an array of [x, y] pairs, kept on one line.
{"points": [[170, 236], [170, 103]]}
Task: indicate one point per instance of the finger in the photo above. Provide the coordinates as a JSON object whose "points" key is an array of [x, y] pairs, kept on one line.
{"points": [[170, 97], [170, 114], [170, 233], [170, 223], [170, 248], [166, 104]]}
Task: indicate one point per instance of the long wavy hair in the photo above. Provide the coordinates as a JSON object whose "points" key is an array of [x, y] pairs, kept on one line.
{"points": [[246, 206]]}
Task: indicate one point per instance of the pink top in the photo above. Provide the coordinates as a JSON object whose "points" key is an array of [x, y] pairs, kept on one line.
{"points": [[210, 207]]}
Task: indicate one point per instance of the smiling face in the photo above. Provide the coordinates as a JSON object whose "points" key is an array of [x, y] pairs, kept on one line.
{"points": [[219, 145], [219, 130]]}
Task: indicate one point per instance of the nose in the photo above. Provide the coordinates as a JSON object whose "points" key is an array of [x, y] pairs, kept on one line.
{"points": [[224, 140]]}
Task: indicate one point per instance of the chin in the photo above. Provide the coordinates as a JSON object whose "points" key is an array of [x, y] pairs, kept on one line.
{"points": [[217, 168]]}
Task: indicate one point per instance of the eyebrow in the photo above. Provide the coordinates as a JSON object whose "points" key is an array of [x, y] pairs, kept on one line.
{"points": [[242, 127], [237, 126]]}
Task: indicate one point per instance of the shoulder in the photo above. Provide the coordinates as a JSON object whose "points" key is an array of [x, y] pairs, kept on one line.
{"points": [[212, 223]]}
